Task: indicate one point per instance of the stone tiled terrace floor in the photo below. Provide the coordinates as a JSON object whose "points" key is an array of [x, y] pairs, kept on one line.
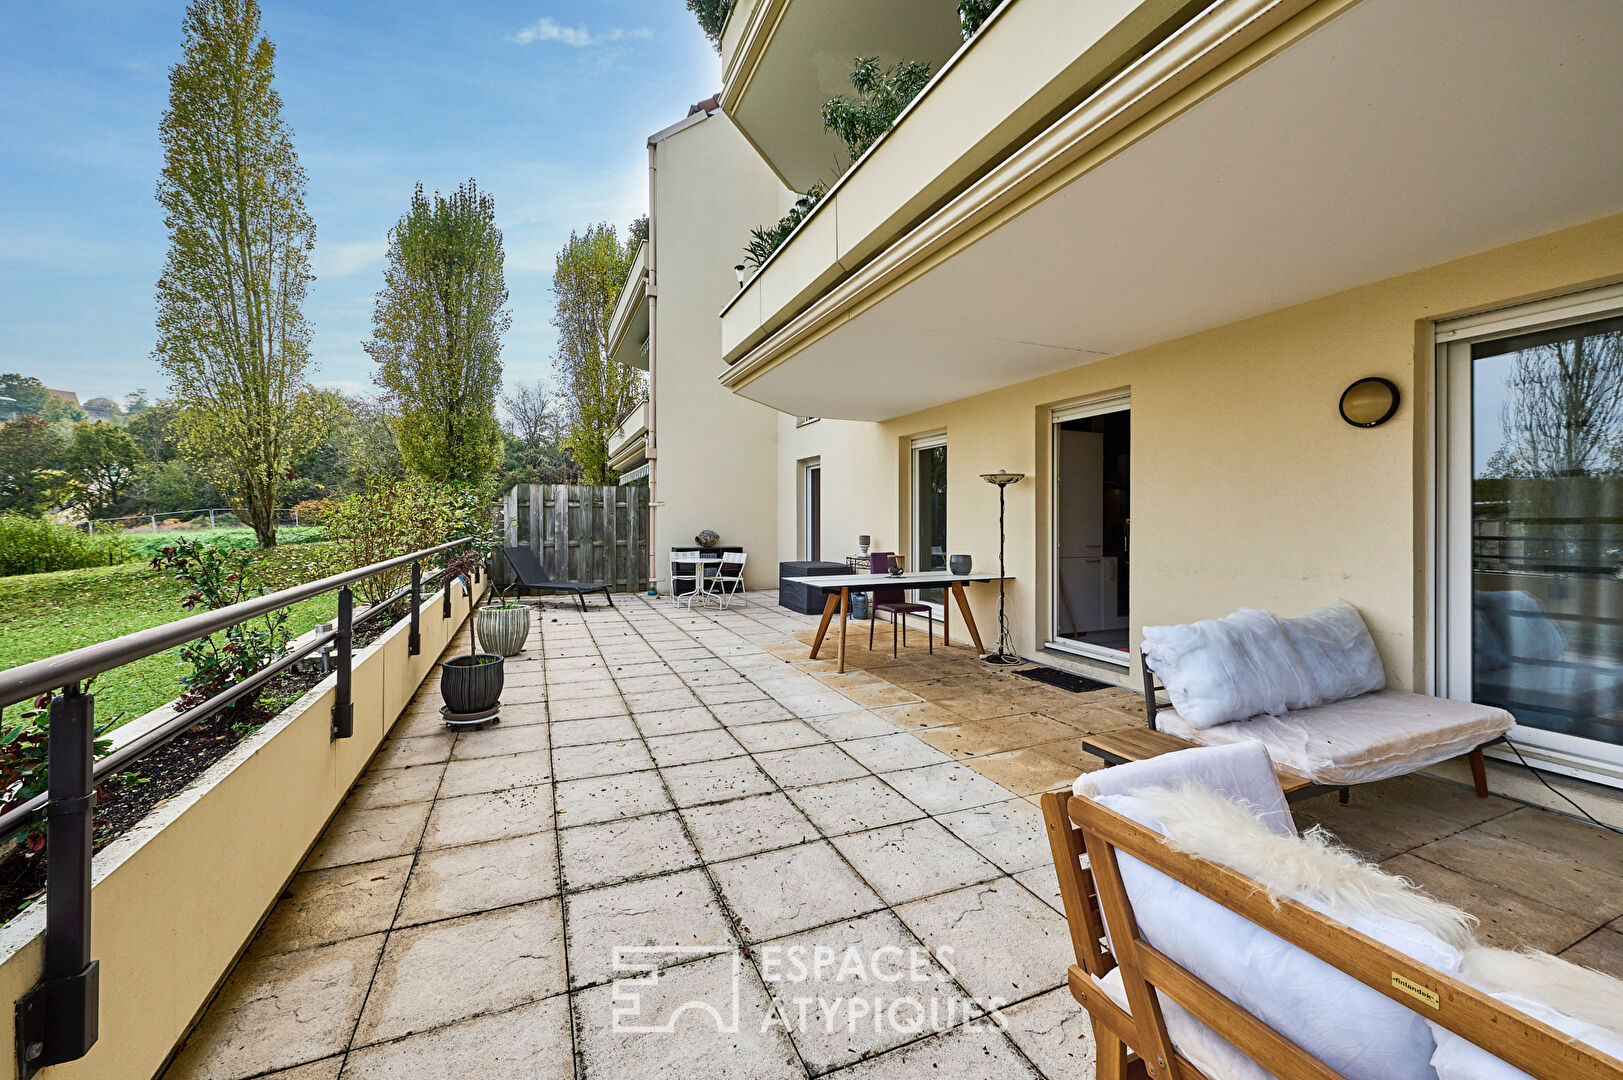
{"points": [[664, 778]]}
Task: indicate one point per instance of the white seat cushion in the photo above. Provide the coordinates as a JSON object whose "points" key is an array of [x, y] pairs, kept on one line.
{"points": [[1361, 739]]}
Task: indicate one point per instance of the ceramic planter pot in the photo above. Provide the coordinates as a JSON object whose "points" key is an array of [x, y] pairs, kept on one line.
{"points": [[959, 564], [471, 684], [859, 606], [503, 628]]}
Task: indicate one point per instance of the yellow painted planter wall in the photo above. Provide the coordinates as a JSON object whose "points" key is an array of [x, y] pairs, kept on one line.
{"points": [[177, 898]]}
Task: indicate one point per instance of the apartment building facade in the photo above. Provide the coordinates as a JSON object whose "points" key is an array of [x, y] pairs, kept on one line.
{"points": [[1272, 301]]}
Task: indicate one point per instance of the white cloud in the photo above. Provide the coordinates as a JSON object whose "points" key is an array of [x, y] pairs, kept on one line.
{"points": [[343, 259], [547, 29]]}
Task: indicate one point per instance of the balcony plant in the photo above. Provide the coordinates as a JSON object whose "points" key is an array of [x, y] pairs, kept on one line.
{"points": [[503, 626], [882, 94]]}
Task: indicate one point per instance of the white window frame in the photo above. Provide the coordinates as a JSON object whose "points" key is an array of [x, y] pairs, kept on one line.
{"points": [[917, 443], [1100, 406], [1450, 673], [807, 518]]}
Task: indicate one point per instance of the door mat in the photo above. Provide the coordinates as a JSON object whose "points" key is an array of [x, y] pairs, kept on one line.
{"points": [[1064, 680]]}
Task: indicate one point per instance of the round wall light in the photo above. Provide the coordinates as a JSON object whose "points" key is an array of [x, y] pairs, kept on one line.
{"points": [[1369, 402]]}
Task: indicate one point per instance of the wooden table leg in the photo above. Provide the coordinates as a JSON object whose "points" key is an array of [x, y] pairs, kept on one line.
{"points": [[845, 611], [969, 619], [946, 621], [822, 628]]}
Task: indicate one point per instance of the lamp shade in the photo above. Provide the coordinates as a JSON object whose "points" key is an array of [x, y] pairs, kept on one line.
{"points": [[1003, 479]]}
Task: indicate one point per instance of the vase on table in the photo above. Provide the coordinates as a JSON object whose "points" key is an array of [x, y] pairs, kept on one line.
{"points": [[959, 564]]}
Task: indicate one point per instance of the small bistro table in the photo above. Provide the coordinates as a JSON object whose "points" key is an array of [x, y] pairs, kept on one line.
{"points": [[839, 588]]}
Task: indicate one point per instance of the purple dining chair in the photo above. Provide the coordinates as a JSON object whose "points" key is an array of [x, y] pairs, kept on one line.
{"points": [[895, 602]]}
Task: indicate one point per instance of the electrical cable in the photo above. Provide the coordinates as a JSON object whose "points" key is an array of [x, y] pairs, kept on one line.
{"points": [[1537, 773]]}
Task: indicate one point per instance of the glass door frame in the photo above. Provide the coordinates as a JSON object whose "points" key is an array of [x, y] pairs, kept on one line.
{"points": [[1451, 597], [917, 443], [1081, 410], [811, 508]]}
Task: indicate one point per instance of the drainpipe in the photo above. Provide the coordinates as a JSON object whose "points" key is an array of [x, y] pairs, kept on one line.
{"points": [[651, 446]]}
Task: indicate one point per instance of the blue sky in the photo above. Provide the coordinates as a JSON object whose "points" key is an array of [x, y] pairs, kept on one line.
{"points": [[547, 104]]}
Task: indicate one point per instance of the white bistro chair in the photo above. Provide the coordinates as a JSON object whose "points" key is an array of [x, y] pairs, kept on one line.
{"points": [[685, 566], [728, 581]]}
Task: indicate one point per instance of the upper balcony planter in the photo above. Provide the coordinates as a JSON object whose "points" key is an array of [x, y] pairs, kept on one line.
{"points": [[1032, 60], [628, 326], [781, 59]]}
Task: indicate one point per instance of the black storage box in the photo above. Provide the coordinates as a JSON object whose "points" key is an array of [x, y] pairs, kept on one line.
{"points": [[806, 599]]}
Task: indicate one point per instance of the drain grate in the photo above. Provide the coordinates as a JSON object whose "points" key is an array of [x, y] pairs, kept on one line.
{"points": [[1064, 680]]}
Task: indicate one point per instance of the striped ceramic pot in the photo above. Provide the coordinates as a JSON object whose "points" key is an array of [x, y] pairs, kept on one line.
{"points": [[471, 684], [503, 628]]}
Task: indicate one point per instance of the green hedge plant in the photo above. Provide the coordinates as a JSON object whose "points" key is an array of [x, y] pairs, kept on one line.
{"points": [[32, 545]]}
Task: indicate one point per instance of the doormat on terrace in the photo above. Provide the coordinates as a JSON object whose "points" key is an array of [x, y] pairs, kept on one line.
{"points": [[1064, 680]]}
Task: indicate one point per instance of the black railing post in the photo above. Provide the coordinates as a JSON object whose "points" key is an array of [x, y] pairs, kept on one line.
{"points": [[415, 640], [57, 1020], [343, 710], [445, 608]]}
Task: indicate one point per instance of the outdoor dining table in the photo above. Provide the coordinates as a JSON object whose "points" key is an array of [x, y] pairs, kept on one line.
{"points": [[839, 588]]}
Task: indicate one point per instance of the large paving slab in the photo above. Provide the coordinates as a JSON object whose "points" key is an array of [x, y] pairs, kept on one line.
{"points": [[619, 880]]}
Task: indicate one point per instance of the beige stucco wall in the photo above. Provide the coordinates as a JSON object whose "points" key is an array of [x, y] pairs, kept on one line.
{"points": [[1247, 487], [714, 452], [176, 899]]}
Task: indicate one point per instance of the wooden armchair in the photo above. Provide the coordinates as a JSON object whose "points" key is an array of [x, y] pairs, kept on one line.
{"points": [[1136, 1043]]}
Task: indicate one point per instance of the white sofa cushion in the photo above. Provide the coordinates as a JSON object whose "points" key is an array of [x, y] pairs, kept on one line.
{"points": [[1335, 645], [1241, 665], [1369, 737], [1523, 630], [1242, 773], [1576, 1001], [1354, 1029], [1208, 1051]]}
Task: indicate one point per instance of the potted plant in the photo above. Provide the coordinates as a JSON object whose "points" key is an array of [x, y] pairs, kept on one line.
{"points": [[503, 626], [471, 685]]}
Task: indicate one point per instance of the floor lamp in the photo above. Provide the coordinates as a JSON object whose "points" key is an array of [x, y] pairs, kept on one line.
{"points": [[1004, 653]]}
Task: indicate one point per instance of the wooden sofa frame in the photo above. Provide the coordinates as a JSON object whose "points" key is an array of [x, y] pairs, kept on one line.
{"points": [[1138, 1045]]}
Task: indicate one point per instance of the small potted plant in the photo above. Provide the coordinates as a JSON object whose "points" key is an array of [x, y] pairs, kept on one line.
{"points": [[471, 685]]}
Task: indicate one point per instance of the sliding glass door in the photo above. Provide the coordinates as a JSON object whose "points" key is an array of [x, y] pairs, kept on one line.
{"points": [[929, 511], [1092, 473], [1533, 520]]}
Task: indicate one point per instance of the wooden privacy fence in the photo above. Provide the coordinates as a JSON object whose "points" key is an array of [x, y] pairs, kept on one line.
{"points": [[580, 533]]}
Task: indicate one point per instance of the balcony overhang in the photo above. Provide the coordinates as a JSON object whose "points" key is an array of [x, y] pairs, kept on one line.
{"points": [[628, 443], [1029, 63], [1267, 153], [628, 326], [781, 59]]}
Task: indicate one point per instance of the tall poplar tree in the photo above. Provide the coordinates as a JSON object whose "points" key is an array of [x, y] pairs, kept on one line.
{"points": [[597, 392], [231, 330], [437, 334]]}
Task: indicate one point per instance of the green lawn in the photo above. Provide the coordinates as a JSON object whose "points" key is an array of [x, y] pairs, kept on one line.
{"points": [[45, 614], [144, 545]]}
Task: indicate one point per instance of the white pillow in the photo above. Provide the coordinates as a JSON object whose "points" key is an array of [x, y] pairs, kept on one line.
{"points": [[1574, 1000], [1524, 630], [1354, 1029], [1335, 645], [1232, 668]]}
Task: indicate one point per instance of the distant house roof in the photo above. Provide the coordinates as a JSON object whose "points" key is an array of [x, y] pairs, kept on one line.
{"points": [[64, 395]]}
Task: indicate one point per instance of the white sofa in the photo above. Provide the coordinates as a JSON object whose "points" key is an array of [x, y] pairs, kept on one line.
{"points": [[1312, 691]]}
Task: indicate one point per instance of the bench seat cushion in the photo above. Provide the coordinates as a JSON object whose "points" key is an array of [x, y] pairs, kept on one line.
{"points": [[1361, 739]]}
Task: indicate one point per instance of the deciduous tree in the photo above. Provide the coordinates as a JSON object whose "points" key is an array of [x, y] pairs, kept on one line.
{"points": [[102, 459], [437, 334], [27, 394], [232, 337], [597, 392], [31, 476]]}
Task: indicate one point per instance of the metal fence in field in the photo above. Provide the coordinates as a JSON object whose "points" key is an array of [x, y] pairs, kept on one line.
{"points": [[217, 517], [580, 533]]}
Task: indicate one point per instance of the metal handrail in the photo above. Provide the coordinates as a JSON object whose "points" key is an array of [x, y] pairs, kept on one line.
{"points": [[57, 1020], [52, 673]]}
